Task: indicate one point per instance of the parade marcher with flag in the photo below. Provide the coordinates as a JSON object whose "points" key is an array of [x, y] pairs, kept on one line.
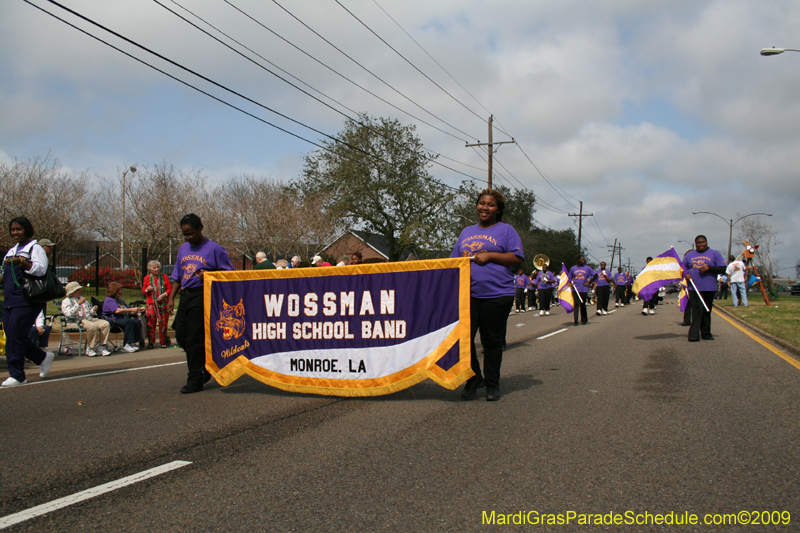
{"points": [[581, 276], [702, 266]]}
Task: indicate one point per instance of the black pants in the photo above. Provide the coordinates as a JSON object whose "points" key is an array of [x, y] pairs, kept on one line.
{"points": [[132, 329], [532, 298], [17, 324], [580, 303], [190, 333], [602, 292], [620, 294], [489, 315], [701, 319], [651, 303], [520, 297], [545, 295]]}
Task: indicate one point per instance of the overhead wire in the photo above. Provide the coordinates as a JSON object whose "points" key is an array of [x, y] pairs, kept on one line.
{"points": [[134, 43], [289, 74], [500, 129], [309, 28]]}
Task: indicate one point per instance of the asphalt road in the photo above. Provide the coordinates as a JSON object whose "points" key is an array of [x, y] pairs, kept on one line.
{"points": [[621, 415]]}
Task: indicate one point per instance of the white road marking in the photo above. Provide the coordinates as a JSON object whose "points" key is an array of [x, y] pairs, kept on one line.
{"points": [[551, 334], [95, 374], [612, 311], [39, 510]]}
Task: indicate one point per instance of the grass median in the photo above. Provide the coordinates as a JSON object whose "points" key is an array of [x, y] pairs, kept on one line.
{"points": [[781, 319]]}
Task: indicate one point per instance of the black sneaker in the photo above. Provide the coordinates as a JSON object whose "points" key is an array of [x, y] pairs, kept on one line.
{"points": [[189, 388], [492, 394], [471, 388], [708, 337]]}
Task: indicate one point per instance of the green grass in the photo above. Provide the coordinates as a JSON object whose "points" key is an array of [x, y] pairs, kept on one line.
{"points": [[782, 321]]}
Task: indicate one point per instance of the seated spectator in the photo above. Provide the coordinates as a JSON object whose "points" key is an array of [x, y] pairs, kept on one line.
{"points": [[115, 310], [281, 264], [319, 262], [77, 307], [40, 332], [262, 263]]}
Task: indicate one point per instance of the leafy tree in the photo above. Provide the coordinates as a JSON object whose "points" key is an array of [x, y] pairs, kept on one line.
{"points": [[375, 176]]}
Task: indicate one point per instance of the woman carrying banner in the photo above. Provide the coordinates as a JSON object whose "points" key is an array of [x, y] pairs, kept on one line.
{"points": [[581, 276], [496, 250]]}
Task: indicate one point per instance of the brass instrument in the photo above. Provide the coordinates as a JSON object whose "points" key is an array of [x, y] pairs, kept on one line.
{"points": [[540, 261]]}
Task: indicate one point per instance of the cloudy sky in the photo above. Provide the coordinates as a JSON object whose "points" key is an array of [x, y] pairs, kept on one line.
{"points": [[645, 111]]}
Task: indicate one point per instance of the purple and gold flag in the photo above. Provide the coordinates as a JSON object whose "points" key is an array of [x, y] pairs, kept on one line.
{"points": [[360, 330], [663, 270], [565, 297]]}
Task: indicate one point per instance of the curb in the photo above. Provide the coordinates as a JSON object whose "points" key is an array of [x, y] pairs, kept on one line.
{"points": [[794, 350]]}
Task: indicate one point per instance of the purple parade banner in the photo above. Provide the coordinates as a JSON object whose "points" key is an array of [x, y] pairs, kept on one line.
{"points": [[361, 330]]}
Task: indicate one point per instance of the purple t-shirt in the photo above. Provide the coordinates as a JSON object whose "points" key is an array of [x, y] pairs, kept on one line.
{"points": [[207, 255], [110, 305], [694, 260], [579, 276], [521, 282], [620, 278], [601, 281], [546, 280], [490, 280]]}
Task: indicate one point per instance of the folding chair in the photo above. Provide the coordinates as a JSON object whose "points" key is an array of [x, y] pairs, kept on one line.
{"points": [[67, 346]]}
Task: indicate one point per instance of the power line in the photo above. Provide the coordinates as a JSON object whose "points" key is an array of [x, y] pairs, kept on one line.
{"points": [[407, 60], [440, 65], [309, 28], [546, 178], [290, 83]]}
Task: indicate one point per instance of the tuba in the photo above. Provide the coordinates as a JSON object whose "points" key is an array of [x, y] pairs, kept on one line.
{"points": [[540, 261]]}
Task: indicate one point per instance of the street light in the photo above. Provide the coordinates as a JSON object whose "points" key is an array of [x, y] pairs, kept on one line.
{"points": [[730, 223], [691, 244], [122, 233], [775, 51]]}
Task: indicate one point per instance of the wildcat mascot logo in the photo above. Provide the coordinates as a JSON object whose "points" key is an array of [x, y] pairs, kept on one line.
{"points": [[231, 320]]}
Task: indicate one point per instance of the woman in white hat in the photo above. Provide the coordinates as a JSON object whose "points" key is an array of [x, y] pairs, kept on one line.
{"points": [[75, 306]]}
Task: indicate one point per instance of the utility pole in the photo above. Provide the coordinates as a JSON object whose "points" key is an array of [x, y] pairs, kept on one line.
{"points": [[490, 144], [620, 254], [580, 223], [613, 253]]}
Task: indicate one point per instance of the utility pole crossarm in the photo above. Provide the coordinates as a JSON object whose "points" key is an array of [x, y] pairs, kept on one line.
{"points": [[490, 144]]}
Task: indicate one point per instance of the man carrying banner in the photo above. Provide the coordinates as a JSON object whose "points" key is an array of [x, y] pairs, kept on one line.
{"points": [[495, 249], [581, 276], [196, 256], [702, 266]]}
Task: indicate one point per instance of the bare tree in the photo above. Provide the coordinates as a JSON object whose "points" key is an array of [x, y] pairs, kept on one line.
{"points": [[54, 200]]}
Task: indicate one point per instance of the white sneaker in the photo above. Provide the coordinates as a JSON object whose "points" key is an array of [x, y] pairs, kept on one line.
{"points": [[599, 313], [605, 312], [12, 382], [652, 311], [516, 310], [541, 313], [44, 368], [104, 352], [644, 311], [128, 348], [90, 352], [622, 305], [547, 313], [616, 304]]}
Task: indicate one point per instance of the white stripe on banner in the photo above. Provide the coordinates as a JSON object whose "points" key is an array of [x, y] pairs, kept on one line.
{"points": [[380, 361], [39, 510], [671, 266]]}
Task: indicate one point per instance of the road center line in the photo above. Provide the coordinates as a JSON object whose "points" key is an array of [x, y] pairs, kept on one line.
{"points": [[39, 510], [97, 374], [762, 342], [551, 334]]}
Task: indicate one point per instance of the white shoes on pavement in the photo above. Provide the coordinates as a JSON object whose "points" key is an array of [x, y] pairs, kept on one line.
{"points": [[547, 313], [103, 351], [644, 311], [605, 312], [541, 313], [44, 368], [129, 348], [12, 382], [90, 353], [652, 311]]}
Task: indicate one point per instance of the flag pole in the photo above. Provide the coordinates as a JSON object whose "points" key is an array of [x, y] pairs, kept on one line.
{"points": [[699, 296]]}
